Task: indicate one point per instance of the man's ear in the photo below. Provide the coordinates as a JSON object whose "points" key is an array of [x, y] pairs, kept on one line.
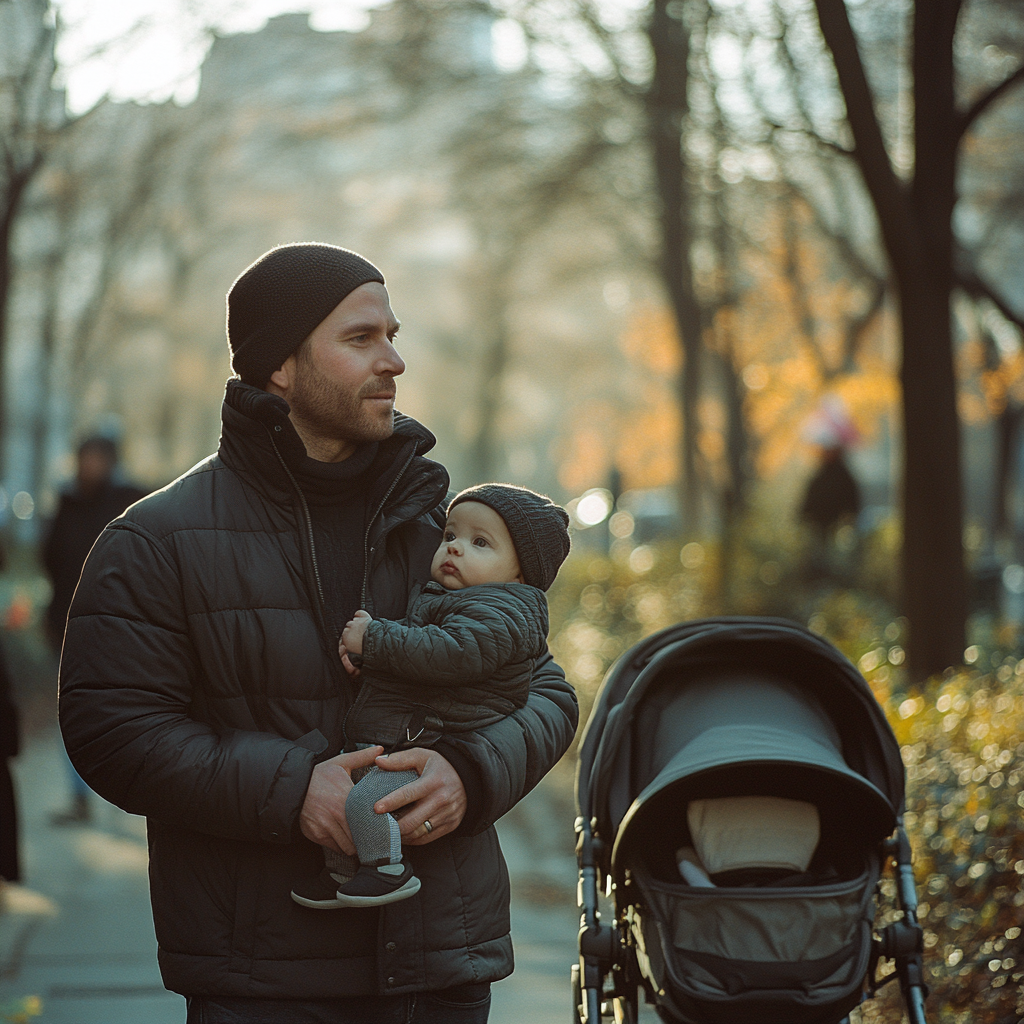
{"points": [[282, 379]]}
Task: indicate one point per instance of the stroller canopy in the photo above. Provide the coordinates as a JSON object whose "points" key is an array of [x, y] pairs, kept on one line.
{"points": [[736, 707]]}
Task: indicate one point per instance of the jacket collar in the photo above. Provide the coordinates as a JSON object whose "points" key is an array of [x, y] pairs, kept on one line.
{"points": [[257, 436]]}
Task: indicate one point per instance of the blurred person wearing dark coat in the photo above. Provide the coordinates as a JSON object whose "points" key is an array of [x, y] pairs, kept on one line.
{"points": [[94, 498], [832, 497], [830, 507], [10, 744]]}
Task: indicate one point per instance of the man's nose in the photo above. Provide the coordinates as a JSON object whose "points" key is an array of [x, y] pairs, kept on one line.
{"points": [[390, 363]]}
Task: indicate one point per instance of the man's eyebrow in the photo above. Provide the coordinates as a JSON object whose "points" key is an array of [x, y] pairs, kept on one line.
{"points": [[368, 327]]}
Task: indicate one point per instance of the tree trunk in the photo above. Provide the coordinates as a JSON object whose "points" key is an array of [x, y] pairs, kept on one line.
{"points": [[667, 106], [1007, 433], [934, 584], [15, 191], [917, 232], [484, 451]]}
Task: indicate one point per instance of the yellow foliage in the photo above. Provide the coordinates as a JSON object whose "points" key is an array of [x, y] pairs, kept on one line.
{"points": [[652, 341], [647, 450], [790, 338], [1003, 383], [21, 1010], [972, 408], [786, 336], [961, 745], [585, 453]]}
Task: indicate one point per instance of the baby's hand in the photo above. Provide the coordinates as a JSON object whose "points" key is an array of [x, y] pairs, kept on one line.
{"points": [[352, 634]]}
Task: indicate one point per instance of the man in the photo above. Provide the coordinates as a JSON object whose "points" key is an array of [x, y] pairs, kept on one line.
{"points": [[94, 498], [201, 684]]}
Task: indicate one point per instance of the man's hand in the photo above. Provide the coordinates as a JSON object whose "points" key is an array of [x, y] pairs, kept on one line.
{"points": [[351, 668], [322, 817], [437, 796]]}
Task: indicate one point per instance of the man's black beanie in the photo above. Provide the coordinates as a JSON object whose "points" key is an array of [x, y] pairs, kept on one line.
{"points": [[276, 302], [538, 527]]}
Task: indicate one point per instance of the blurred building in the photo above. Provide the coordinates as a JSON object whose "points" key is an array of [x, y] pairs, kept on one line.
{"points": [[146, 213]]}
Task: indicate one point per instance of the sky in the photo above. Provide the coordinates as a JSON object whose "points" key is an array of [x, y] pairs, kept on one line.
{"points": [[151, 50]]}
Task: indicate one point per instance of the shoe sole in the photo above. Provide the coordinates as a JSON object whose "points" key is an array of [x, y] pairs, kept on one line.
{"points": [[328, 904], [409, 889], [331, 904]]}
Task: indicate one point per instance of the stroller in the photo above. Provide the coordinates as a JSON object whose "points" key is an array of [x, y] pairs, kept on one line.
{"points": [[739, 794]]}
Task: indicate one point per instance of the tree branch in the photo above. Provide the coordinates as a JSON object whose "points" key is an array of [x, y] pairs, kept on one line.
{"points": [[808, 133], [973, 285], [982, 104], [902, 238]]}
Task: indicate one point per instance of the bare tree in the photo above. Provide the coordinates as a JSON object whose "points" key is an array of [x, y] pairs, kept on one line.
{"points": [[916, 223], [31, 115], [668, 106], [515, 159]]}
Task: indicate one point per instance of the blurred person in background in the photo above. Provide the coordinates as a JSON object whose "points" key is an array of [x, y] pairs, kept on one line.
{"points": [[10, 745], [94, 497], [201, 683], [832, 498], [832, 501]]}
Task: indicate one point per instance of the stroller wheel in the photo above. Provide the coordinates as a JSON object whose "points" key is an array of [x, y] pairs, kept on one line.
{"points": [[577, 993]]}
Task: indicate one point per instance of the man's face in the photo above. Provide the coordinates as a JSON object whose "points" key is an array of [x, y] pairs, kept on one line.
{"points": [[340, 383], [94, 468]]}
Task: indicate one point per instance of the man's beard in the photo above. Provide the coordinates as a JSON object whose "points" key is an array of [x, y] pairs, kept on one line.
{"points": [[337, 412]]}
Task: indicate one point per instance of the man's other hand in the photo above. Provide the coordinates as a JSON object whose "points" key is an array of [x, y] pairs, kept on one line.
{"points": [[437, 796], [322, 818]]}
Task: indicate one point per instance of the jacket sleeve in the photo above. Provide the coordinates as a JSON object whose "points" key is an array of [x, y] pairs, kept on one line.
{"points": [[500, 763], [127, 682], [466, 646]]}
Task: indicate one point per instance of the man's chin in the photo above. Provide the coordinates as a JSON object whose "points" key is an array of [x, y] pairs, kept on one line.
{"points": [[379, 430]]}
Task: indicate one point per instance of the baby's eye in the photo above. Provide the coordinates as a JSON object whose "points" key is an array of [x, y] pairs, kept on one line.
{"points": [[449, 535], [480, 542]]}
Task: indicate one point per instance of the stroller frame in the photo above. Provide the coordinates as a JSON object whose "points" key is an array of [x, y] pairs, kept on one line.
{"points": [[607, 979]]}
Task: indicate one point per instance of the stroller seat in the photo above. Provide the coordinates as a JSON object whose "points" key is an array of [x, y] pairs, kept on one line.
{"points": [[751, 840]]}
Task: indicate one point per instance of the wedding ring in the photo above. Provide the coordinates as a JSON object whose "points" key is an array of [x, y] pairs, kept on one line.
{"points": [[428, 826]]}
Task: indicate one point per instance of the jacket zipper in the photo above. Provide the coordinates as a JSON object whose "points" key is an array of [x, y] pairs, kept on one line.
{"points": [[366, 565], [373, 518]]}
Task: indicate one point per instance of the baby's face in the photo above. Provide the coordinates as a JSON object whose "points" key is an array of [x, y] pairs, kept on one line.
{"points": [[476, 549]]}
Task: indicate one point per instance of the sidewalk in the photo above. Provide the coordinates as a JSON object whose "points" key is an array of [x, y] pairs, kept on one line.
{"points": [[79, 933], [92, 958]]}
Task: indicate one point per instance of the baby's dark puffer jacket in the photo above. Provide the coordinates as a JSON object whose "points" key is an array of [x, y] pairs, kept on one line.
{"points": [[200, 686], [463, 659]]}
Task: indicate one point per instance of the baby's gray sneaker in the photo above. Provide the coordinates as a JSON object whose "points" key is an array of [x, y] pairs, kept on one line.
{"points": [[321, 891], [374, 886]]}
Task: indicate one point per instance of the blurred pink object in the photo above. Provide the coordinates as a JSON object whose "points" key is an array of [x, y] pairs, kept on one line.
{"points": [[830, 425]]}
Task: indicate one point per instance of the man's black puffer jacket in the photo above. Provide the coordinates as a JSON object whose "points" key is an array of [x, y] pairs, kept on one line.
{"points": [[199, 687]]}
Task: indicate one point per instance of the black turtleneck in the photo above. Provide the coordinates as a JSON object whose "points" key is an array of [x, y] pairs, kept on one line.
{"points": [[337, 495]]}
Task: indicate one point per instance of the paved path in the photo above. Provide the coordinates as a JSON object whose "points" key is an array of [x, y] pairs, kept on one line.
{"points": [[79, 934]]}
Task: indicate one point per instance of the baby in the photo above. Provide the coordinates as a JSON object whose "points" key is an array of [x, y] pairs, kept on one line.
{"points": [[462, 659]]}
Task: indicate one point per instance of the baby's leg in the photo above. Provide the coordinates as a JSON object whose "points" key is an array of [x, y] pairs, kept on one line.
{"points": [[340, 863], [377, 836]]}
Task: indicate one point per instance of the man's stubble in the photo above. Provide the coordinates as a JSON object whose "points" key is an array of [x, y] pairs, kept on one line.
{"points": [[335, 411]]}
